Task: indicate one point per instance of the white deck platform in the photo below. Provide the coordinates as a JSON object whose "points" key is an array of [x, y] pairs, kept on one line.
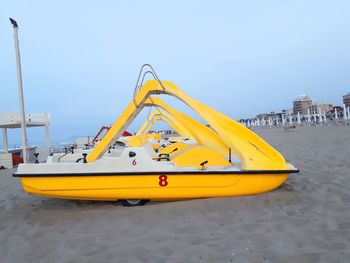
{"points": [[12, 120]]}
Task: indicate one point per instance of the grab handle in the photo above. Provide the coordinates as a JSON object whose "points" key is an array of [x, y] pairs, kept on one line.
{"points": [[203, 164]]}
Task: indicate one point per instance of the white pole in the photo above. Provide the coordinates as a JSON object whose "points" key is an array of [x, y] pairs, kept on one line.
{"points": [[298, 116], [348, 112], [290, 118], [308, 116], [5, 140], [320, 114], [315, 115], [324, 116], [47, 136], [20, 90], [344, 112], [335, 113]]}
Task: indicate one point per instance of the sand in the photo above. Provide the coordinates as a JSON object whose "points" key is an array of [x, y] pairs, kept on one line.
{"points": [[305, 220]]}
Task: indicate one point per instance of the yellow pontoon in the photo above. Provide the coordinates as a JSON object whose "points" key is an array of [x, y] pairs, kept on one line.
{"points": [[226, 159]]}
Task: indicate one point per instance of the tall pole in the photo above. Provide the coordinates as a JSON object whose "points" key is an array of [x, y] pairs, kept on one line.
{"points": [[5, 140], [20, 90]]}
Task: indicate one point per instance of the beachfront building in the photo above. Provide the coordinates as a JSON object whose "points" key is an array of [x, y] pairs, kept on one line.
{"points": [[335, 113], [274, 115], [324, 107], [301, 104], [262, 116], [346, 100]]}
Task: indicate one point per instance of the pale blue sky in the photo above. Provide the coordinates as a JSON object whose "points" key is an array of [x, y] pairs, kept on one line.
{"points": [[80, 59]]}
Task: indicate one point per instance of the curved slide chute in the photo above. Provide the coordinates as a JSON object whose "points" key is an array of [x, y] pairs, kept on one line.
{"points": [[161, 115], [200, 133]]}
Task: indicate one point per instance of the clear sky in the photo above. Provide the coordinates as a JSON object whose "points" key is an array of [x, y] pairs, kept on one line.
{"points": [[80, 59]]}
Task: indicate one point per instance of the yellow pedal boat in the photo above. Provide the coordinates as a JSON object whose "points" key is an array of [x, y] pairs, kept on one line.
{"points": [[226, 159]]}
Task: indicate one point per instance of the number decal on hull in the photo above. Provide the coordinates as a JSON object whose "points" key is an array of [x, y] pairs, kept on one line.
{"points": [[163, 180], [134, 162]]}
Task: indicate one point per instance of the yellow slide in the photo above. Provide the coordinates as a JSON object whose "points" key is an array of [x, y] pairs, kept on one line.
{"points": [[202, 134], [161, 115], [254, 152]]}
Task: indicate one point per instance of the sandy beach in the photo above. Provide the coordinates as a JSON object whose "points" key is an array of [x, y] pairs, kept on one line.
{"points": [[305, 220]]}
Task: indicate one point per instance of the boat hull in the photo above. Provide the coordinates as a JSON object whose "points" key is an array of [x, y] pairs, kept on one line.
{"points": [[150, 186]]}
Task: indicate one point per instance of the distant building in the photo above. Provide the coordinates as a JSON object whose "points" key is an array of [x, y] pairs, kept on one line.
{"points": [[271, 115], [346, 99], [287, 112], [262, 116], [324, 107], [274, 115], [301, 104], [339, 110]]}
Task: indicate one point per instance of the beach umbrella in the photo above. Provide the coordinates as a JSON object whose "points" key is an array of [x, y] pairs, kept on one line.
{"points": [[320, 114], [298, 116], [335, 113], [315, 116], [344, 112]]}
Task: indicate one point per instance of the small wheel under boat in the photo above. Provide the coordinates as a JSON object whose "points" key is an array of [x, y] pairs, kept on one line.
{"points": [[133, 202]]}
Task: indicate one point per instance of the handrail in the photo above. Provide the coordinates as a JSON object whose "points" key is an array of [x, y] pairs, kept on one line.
{"points": [[143, 78], [139, 84], [59, 158]]}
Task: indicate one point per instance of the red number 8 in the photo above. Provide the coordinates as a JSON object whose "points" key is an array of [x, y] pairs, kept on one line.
{"points": [[163, 180]]}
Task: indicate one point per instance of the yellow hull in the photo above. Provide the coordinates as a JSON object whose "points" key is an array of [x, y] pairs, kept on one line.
{"points": [[153, 187]]}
